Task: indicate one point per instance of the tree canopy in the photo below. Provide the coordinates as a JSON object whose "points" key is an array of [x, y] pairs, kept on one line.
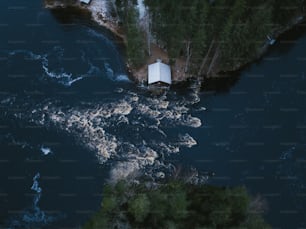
{"points": [[234, 29], [175, 205], [240, 26]]}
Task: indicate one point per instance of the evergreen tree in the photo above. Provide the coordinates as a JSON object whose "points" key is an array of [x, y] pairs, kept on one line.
{"points": [[176, 205], [139, 207], [197, 29]]}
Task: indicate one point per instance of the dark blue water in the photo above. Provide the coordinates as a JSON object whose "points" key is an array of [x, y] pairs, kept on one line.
{"points": [[40, 58], [71, 120], [254, 132]]}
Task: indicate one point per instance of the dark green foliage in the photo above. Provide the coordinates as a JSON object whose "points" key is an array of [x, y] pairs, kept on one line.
{"points": [[175, 205], [283, 10], [134, 36], [243, 35], [139, 207], [240, 27], [255, 222], [135, 40], [98, 221]]}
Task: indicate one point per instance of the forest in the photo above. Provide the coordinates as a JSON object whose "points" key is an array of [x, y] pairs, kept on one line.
{"points": [[177, 205], [208, 34]]}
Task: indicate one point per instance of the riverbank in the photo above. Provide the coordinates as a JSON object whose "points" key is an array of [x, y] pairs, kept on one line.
{"points": [[276, 33], [214, 68], [104, 13], [101, 13]]}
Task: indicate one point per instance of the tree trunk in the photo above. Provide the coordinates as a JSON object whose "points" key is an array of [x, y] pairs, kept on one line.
{"points": [[148, 20], [189, 54], [212, 63], [206, 57]]}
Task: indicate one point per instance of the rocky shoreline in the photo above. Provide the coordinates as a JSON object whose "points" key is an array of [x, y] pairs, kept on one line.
{"points": [[102, 12]]}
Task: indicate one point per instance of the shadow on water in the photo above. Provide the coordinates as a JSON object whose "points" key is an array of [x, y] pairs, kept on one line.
{"points": [[182, 87], [258, 121], [71, 15], [220, 84]]}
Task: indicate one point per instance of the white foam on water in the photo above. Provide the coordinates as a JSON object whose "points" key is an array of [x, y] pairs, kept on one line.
{"points": [[119, 90], [91, 123], [287, 154], [109, 43], [67, 79], [122, 170], [92, 69], [192, 122], [45, 150], [33, 217], [169, 148], [146, 110], [94, 33], [29, 54], [122, 77], [62, 77], [109, 71], [187, 141], [113, 76], [135, 160], [101, 127], [201, 109], [35, 186]]}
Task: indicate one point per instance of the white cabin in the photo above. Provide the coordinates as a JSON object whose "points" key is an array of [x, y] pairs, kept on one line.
{"points": [[159, 73]]}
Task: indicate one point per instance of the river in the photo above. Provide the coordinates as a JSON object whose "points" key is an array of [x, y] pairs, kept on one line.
{"points": [[71, 121]]}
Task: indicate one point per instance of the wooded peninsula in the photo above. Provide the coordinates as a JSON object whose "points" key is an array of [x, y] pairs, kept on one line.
{"points": [[209, 37], [197, 38]]}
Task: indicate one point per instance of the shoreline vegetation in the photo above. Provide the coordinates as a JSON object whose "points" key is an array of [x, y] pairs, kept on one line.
{"points": [[177, 204], [202, 39]]}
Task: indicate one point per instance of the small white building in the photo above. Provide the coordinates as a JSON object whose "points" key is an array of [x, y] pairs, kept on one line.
{"points": [[85, 1], [159, 73]]}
